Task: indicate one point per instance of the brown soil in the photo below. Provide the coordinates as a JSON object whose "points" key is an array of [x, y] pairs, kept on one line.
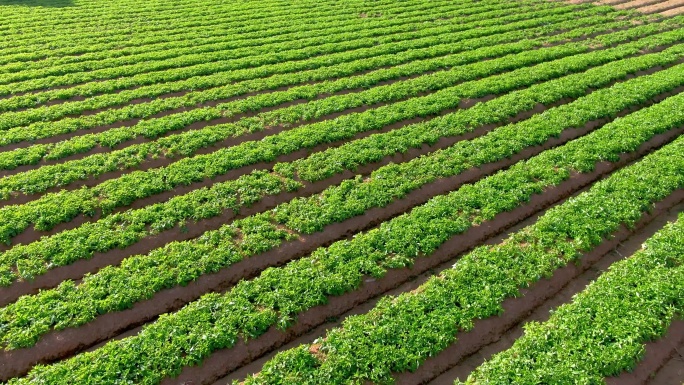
{"points": [[673, 12], [320, 331], [31, 234], [160, 162], [611, 2], [635, 4], [672, 373], [665, 8], [662, 6], [230, 142], [196, 125], [485, 331], [60, 344], [174, 298]]}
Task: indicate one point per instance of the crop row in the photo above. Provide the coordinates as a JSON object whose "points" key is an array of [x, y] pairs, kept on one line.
{"points": [[194, 83], [236, 49], [426, 320], [72, 42], [403, 331], [212, 35], [176, 32], [364, 48], [203, 60], [105, 12], [54, 208], [121, 230], [298, 114], [178, 263], [224, 86], [602, 332], [55, 112]]}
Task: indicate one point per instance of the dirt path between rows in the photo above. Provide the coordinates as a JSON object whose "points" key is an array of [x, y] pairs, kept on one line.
{"points": [[667, 8]]}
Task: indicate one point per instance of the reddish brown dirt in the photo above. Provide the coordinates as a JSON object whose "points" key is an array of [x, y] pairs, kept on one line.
{"points": [[194, 126], [174, 298], [672, 373], [230, 142], [673, 12], [199, 371], [485, 331], [661, 6], [320, 331], [61, 339], [664, 8], [635, 4], [160, 162], [611, 2], [31, 234], [76, 270]]}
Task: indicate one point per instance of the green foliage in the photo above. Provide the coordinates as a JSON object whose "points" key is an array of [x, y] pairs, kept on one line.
{"points": [[602, 331], [600, 336], [401, 332], [59, 250]]}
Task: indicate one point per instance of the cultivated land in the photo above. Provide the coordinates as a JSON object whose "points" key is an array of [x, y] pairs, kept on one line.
{"points": [[341, 192]]}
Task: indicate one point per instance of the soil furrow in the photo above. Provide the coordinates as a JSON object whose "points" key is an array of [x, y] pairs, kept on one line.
{"points": [[334, 322], [672, 373], [661, 6], [635, 4], [112, 257], [673, 12], [31, 234], [658, 353]]}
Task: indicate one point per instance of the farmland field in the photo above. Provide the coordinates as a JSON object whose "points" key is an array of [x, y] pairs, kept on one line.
{"points": [[342, 192]]}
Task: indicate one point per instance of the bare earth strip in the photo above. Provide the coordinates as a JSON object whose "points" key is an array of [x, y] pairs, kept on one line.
{"points": [[668, 8], [612, 2], [636, 4], [673, 12], [663, 6], [672, 373]]}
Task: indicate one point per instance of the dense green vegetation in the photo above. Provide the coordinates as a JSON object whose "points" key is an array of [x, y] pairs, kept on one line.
{"points": [[229, 132]]}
